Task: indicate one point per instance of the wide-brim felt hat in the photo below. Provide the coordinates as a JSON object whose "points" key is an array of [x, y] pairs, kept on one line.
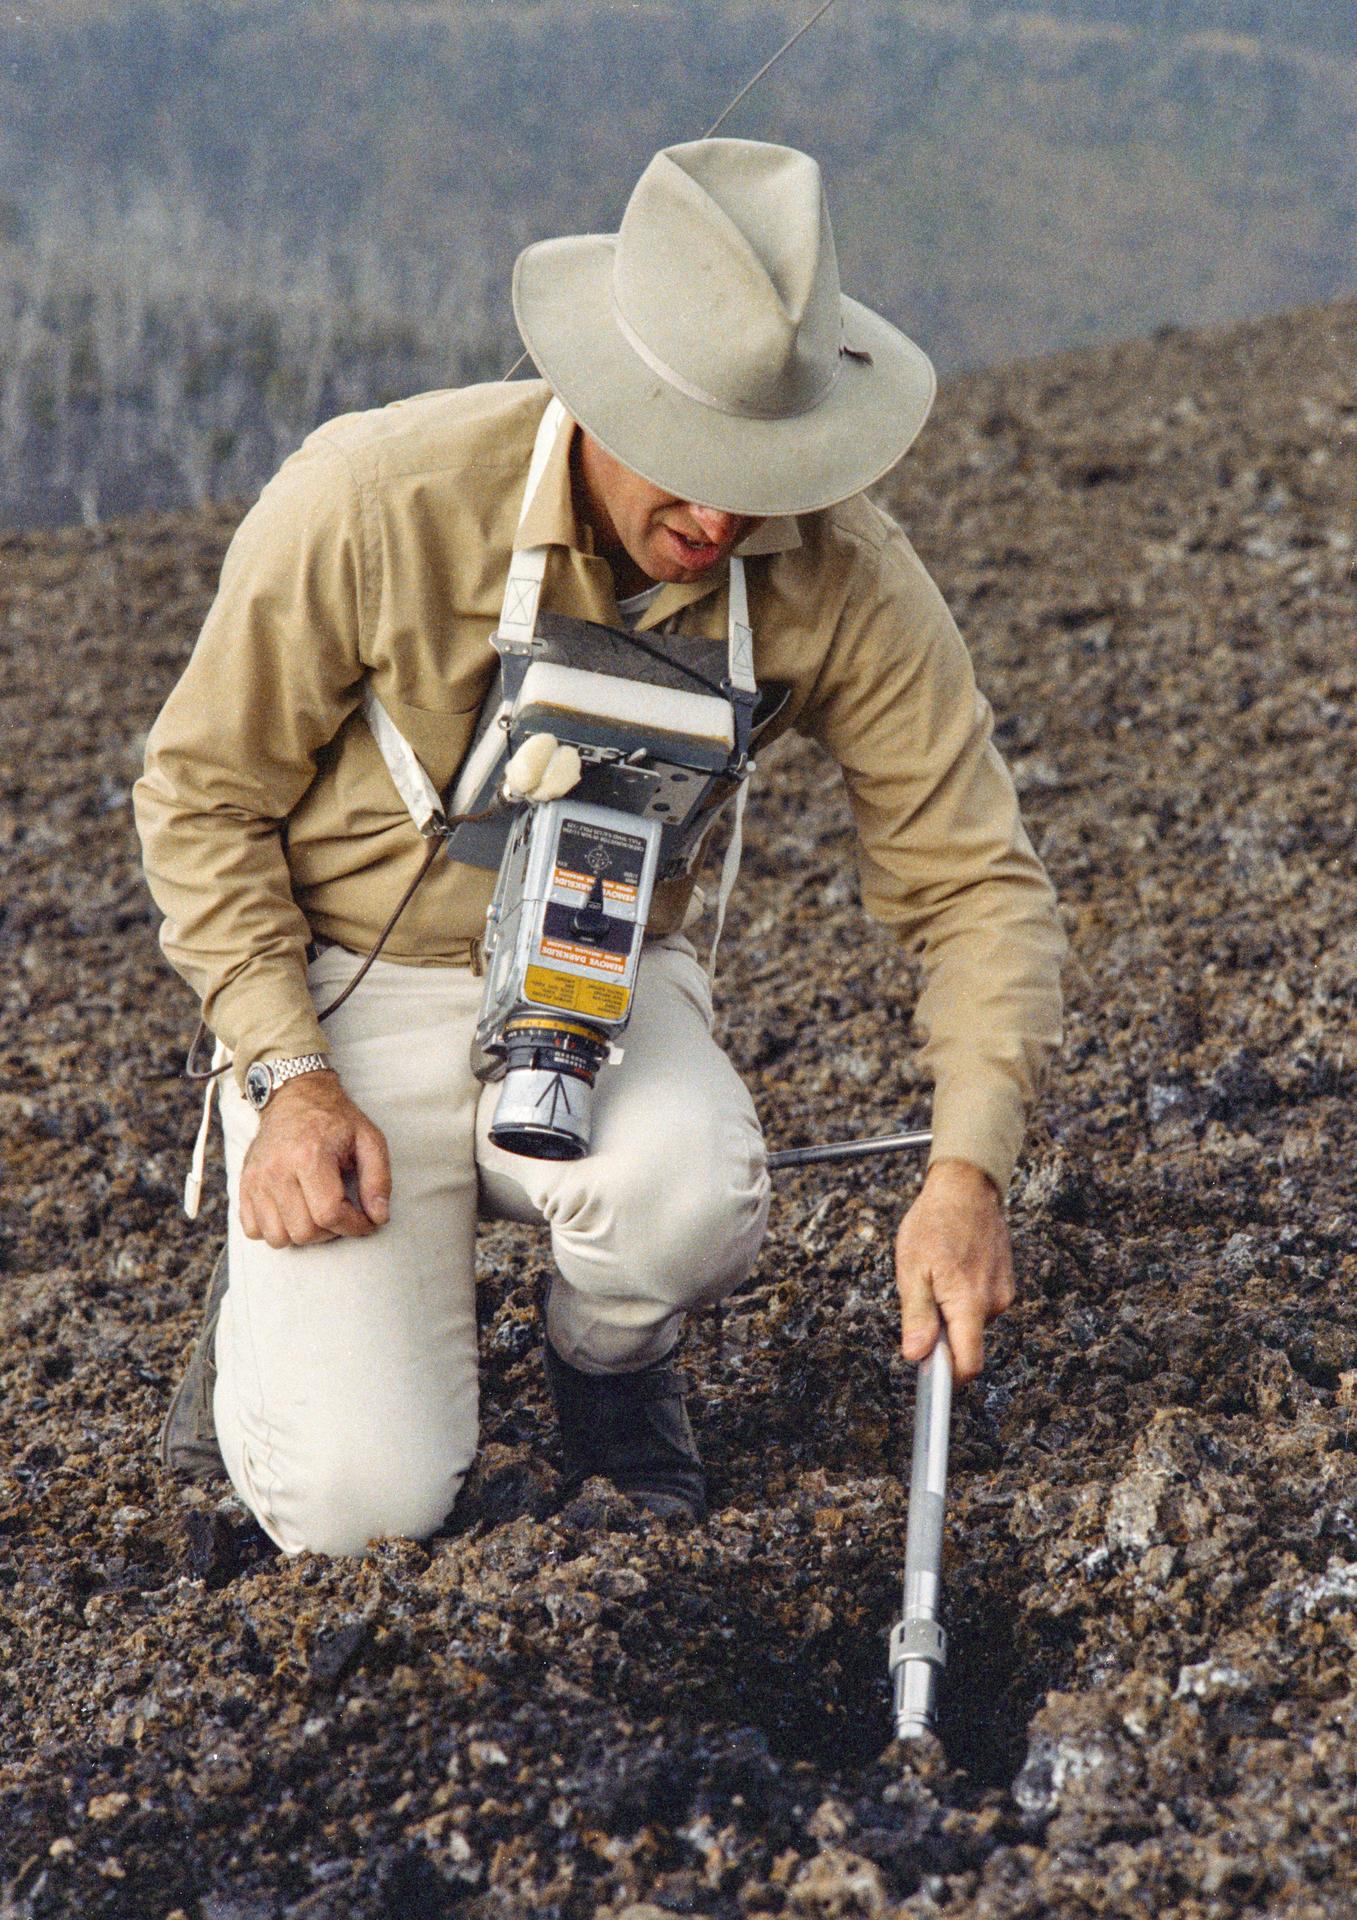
{"points": [[707, 345]]}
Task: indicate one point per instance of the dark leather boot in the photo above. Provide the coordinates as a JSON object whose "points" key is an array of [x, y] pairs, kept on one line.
{"points": [[633, 1429], [188, 1438]]}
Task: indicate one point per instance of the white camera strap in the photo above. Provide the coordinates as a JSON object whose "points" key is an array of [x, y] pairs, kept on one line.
{"points": [[742, 677], [730, 871], [517, 621], [528, 565], [412, 783]]}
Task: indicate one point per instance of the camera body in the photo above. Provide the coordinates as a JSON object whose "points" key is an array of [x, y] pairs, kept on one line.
{"points": [[563, 944], [662, 747]]}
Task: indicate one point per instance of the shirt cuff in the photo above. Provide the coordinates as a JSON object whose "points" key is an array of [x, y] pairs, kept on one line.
{"points": [[982, 1122], [266, 1016]]}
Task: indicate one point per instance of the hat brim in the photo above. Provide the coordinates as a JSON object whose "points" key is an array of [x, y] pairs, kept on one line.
{"points": [[865, 423]]}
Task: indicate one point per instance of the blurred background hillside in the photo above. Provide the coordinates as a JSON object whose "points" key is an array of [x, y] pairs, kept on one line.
{"points": [[224, 220]]}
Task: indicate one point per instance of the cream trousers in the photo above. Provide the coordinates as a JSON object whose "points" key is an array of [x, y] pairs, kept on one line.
{"points": [[346, 1399]]}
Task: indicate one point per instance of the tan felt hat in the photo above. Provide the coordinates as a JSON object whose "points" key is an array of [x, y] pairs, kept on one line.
{"points": [[707, 345]]}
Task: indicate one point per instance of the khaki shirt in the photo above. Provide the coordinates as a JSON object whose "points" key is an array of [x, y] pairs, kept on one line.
{"points": [[380, 551]]}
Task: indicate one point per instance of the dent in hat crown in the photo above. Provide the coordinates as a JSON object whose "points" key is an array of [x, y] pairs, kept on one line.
{"points": [[725, 277]]}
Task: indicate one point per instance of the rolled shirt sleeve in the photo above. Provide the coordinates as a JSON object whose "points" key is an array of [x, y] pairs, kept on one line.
{"points": [[277, 669], [943, 853]]}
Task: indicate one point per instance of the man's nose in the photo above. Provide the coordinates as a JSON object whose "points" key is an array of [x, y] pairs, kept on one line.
{"points": [[716, 526]]}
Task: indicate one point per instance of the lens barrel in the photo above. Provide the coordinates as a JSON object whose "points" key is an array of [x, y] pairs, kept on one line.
{"points": [[545, 1106]]}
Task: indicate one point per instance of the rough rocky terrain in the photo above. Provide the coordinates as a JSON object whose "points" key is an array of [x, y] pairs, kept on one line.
{"points": [[557, 1709]]}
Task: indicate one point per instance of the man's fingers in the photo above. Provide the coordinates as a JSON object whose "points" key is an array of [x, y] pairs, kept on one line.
{"points": [[283, 1216], [953, 1256], [919, 1319], [329, 1206], [259, 1217], [373, 1164], [966, 1337], [269, 1222], [300, 1225]]}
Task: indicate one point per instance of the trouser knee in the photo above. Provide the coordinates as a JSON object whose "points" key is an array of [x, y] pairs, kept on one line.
{"points": [[335, 1499], [682, 1222], [695, 1239], [683, 1235]]}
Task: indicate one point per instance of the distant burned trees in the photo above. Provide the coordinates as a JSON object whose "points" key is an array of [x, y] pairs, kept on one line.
{"points": [[149, 360]]}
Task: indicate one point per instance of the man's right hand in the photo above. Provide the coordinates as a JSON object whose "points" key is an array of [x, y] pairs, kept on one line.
{"points": [[292, 1190]]}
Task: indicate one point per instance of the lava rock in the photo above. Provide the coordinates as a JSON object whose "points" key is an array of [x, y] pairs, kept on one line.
{"points": [[336, 1652], [1239, 1087]]}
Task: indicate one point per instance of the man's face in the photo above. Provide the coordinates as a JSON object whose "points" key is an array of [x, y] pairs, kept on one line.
{"points": [[646, 533]]}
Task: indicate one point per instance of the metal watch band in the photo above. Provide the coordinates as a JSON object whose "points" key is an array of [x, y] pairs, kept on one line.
{"points": [[266, 1076]]}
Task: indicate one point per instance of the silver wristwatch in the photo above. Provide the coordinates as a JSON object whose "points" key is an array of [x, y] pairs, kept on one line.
{"points": [[263, 1079]]}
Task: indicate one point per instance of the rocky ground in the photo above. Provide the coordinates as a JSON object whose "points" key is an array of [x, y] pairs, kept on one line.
{"points": [[1152, 1542]]}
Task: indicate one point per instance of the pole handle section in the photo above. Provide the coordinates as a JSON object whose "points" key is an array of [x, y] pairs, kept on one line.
{"points": [[918, 1643]]}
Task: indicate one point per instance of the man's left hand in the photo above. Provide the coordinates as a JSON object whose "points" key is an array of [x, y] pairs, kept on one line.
{"points": [[953, 1259]]}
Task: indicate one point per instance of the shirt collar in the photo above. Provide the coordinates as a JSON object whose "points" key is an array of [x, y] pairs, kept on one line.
{"points": [[778, 534], [551, 520]]}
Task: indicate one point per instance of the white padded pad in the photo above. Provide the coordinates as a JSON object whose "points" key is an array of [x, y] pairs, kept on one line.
{"points": [[599, 696]]}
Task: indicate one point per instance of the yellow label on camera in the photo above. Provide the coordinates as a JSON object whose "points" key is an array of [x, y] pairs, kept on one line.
{"points": [[596, 999]]}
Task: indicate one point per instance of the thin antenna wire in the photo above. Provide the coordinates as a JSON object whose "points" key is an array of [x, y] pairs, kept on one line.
{"points": [[722, 117], [750, 85]]}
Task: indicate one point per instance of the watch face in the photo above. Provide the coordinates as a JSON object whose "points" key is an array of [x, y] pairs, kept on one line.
{"points": [[258, 1084]]}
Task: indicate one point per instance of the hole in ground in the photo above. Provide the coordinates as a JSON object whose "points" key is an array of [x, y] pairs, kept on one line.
{"points": [[745, 1655], [1002, 1661]]}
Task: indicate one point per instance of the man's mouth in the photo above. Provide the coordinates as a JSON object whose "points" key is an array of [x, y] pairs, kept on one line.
{"points": [[696, 553]]}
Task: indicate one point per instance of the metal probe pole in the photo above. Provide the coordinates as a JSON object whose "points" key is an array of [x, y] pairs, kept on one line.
{"points": [[847, 1150], [918, 1643]]}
